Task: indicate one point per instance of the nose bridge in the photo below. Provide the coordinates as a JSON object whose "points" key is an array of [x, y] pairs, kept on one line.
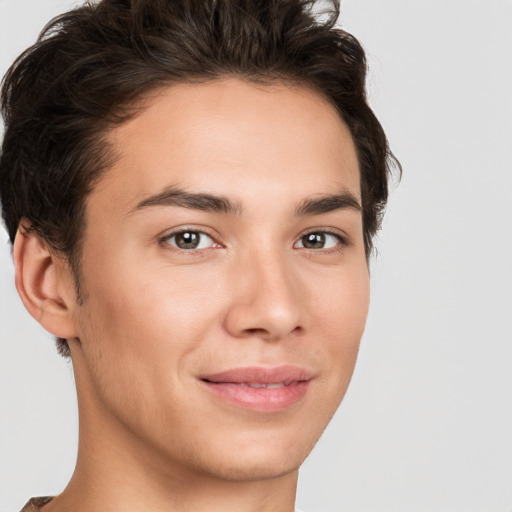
{"points": [[268, 302], [274, 281]]}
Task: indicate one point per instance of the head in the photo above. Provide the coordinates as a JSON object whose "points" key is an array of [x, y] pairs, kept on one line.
{"points": [[234, 116]]}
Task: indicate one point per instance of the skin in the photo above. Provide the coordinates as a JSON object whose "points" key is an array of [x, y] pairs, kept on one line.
{"points": [[157, 316]]}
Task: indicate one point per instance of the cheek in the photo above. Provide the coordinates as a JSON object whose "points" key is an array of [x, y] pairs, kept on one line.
{"points": [[140, 331], [346, 309], [151, 319], [340, 316], [342, 301]]}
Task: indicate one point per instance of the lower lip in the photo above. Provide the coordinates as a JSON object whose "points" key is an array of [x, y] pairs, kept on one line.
{"points": [[260, 399]]}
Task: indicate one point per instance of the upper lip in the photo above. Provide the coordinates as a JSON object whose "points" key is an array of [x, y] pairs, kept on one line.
{"points": [[260, 375]]}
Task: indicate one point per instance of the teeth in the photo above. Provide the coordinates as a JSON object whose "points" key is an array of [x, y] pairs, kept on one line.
{"points": [[257, 385]]}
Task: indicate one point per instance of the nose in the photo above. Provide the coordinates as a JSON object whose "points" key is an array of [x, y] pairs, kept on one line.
{"points": [[267, 300]]}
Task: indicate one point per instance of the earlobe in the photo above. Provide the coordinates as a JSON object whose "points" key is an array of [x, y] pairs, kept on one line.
{"points": [[43, 284]]}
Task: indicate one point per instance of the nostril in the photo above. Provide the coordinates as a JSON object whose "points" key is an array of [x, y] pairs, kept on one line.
{"points": [[255, 331]]}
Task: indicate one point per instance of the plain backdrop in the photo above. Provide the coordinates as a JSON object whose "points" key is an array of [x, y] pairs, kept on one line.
{"points": [[427, 423]]}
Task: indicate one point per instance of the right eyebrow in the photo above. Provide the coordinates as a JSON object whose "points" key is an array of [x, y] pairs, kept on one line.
{"points": [[328, 203], [174, 196]]}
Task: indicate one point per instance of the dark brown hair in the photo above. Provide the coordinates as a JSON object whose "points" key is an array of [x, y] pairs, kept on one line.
{"points": [[90, 65]]}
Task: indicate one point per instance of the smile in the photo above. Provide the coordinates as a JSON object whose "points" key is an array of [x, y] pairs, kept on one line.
{"points": [[260, 389]]}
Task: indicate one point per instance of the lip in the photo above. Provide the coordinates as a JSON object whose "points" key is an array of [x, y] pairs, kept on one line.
{"points": [[246, 387]]}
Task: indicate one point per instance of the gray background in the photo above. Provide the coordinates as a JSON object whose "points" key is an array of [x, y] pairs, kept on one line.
{"points": [[427, 423]]}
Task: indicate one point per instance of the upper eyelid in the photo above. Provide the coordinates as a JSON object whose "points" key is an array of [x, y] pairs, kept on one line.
{"points": [[176, 231], [342, 239], [330, 231]]}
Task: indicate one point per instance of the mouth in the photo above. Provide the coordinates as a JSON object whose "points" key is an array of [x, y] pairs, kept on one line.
{"points": [[260, 389]]}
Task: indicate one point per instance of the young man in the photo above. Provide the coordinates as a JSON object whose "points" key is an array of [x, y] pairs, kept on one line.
{"points": [[191, 189]]}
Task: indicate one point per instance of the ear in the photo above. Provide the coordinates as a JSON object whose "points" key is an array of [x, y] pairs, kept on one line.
{"points": [[45, 284]]}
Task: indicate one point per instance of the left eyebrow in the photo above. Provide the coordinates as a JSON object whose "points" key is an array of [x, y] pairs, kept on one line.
{"points": [[174, 196], [328, 203]]}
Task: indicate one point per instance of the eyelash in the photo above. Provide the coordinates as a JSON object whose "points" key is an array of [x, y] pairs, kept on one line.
{"points": [[342, 241], [165, 241]]}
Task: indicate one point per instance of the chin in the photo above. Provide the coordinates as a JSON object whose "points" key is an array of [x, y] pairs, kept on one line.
{"points": [[263, 459], [253, 470]]}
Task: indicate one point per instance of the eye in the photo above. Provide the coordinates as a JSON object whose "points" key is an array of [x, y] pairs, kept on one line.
{"points": [[189, 240], [319, 240]]}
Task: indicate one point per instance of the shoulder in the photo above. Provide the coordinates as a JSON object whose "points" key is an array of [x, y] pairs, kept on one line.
{"points": [[34, 504]]}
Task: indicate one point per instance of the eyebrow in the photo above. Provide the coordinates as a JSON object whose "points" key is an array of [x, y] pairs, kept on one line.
{"points": [[174, 196], [328, 203]]}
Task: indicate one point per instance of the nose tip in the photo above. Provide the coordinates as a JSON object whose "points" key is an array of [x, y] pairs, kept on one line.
{"points": [[267, 305]]}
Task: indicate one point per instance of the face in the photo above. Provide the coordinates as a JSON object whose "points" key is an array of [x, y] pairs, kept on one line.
{"points": [[225, 279]]}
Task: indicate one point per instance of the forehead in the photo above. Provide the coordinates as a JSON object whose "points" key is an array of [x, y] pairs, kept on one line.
{"points": [[231, 137]]}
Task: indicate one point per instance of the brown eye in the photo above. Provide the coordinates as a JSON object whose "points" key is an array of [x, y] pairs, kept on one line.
{"points": [[319, 240], [190, 240], [313, 241]]}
